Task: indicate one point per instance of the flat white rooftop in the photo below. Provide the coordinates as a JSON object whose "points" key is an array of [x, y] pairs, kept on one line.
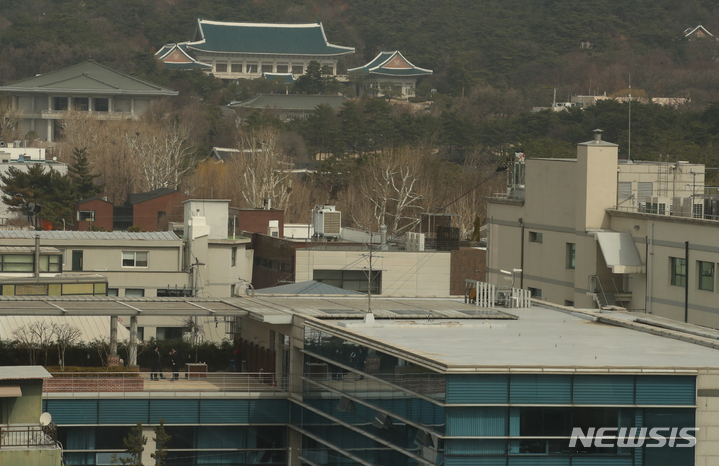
{"points": [[542, 338]]}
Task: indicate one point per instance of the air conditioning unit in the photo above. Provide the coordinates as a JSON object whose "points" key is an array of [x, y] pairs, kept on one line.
{"points": [[327, 221], [688, 207], [658, 205]]}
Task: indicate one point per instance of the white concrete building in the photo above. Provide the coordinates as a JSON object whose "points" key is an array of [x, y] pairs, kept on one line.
{"points": [[586, 232]]}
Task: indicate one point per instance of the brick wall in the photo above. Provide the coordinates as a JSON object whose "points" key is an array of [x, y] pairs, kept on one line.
{"points": [[89, 383], [103, 215], [466, 263], [145, 214]]}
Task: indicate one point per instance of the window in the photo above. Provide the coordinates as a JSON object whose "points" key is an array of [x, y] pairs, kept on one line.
{"points": [[59, 104], [236, 68], [267, 68], [50, 263], [678, 271], [328, 70], [17, 263], [85, 215], [535, 237], [100, 104], [233, 257], [251, 69], [535, 292], [355, 280], [112, 292], [282, 68], [81, 104], [135, 292], [706, 275], [134, 258], [174, 293], [571, 255], [568, 303], [221, 67], [298, 69]]}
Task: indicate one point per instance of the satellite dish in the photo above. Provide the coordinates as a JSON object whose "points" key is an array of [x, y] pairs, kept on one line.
{"points": [[45, 419]]}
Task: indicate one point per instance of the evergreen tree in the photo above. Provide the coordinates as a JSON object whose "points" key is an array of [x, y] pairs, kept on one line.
{"points": [[23, 190], [82, 177], [161, 440], [134, 446]]}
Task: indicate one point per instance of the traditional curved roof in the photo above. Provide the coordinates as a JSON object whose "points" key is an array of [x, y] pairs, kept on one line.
{"points": [[175, 57], [391, 64], [289, 78], [264, 39], [87, 77]]}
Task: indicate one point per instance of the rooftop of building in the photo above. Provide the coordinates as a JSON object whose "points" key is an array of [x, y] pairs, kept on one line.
{"points": [[89, 235], [296, 102], [543, 338], [23, 372], [264, 38], [391, 64], [137, 198], [87, 77]]}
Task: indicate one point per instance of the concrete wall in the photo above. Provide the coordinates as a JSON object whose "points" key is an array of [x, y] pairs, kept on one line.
{"points": [[707, 420], [215, 212], [50, 457], [669, 235], [403, 273], [27, 408]]}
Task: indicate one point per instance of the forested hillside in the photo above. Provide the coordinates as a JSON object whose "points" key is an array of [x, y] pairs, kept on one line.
{"points": [[493, 61], [522, 44]]}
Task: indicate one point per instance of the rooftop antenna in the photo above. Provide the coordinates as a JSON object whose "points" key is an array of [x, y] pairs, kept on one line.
{"points": [[630, 118]]}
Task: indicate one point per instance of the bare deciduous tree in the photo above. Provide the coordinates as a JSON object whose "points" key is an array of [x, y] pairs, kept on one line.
{"points": [[264, 173], [36, 338], [65, 335], [163, 153]]}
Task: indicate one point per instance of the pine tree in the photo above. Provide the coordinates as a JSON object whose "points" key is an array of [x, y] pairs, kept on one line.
{"points": [[161, 440], [134, 446], [82, 177]]}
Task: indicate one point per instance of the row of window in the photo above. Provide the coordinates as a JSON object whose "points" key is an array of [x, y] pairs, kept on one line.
{"points": [[254, 68], [26, 263], [81, 104], [705, 273]]}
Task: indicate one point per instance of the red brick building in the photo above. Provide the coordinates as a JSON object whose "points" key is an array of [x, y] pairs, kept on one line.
{"points": [[151, 211], [93, 211], [258, 221]]}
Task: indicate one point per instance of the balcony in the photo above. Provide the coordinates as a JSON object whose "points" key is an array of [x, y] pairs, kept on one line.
{"points": [[28, 437], [141, 385]]}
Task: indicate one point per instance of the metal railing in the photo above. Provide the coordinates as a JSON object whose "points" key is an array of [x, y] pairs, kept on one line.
{"points": [[136, 383], [28, 436]]}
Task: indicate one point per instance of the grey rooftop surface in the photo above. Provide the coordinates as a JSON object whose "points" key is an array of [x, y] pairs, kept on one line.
{"points": [[309, 287], [90, 235], [23, 373], [542, 338]]}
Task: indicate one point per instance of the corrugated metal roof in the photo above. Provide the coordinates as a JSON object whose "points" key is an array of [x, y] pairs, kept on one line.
{"points": [[92, 327], [23, 372], [28, 250], [309, 287], [97, 235]]}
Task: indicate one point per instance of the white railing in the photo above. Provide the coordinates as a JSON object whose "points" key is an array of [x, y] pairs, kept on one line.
{"points": [[484, 294], [136, 383]]}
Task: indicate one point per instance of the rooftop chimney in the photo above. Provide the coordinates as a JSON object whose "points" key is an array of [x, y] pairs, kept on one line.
{"points": [[598, 135]]}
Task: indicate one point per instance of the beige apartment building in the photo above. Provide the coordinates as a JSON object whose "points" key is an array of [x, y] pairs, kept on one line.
{"points": [[595, 231], [204, 262]]}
